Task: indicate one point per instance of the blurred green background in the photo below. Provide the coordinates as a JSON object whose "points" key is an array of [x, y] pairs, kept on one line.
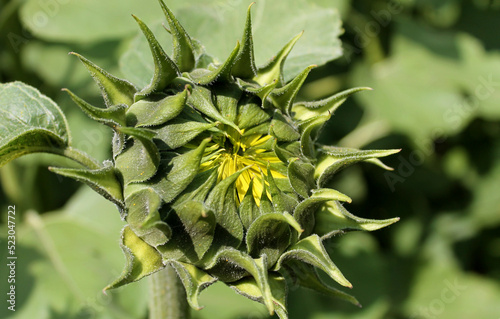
{"points": [[435, 70]]}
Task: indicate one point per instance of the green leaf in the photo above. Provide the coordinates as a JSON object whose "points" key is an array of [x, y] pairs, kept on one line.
{"points": [[284, 97], [312, 251], [423, 108], [305, 110], [30, 122], [249, 288], [184, 56], [142, 259], [194, 225], [244, 67], [103, 181], [69, 21], [179, 173], [201, 99], [305, 212], [114, 90], [194, 280], [150, 112], [337, 158], [301, 176], [143, 217], [56, 278], [333, 218], [165, 69], [112, 116]]}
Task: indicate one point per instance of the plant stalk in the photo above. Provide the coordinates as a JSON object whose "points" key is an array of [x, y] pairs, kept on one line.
{"points": [[167, 297]]}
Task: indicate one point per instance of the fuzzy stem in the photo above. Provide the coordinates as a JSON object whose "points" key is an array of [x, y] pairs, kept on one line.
{"points": [[167, 299], [80, 157]]}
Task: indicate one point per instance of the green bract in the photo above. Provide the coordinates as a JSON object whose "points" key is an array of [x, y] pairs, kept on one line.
{"points": [[217, 172]]}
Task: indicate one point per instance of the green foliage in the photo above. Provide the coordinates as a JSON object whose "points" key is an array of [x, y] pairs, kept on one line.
{"points": [[30, 123]]}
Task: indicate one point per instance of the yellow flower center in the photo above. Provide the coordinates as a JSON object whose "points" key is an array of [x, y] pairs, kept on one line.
{"points": [[237, 152]]}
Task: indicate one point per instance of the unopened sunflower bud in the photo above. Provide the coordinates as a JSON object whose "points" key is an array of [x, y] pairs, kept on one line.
{"points": [[217, 172]]}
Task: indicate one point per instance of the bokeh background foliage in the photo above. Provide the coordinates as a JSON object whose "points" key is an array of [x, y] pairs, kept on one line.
{"points": [[435, 70]]}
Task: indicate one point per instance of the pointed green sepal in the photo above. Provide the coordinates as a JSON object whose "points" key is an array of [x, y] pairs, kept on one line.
{"points": [[287, 151], [257, 268], [337, 158], [305, 212], [248, 209], [250, 114], [199, 188], [141, 259], [221, 73], [165, 69], [249, 288], [306, 276], [226, 99], [222, 201], [282, 128], [175, 175], [244, 67], [201, 99], [254, 88], [284, 97], [150, 113], [305, 110], [312, 251], [301, 177], [194, 225], [309, 132], [184, 56], [194, 280], [143, 217], [140, 159], [333, 218], [112, 116], [104, 181], [114, 90], [273, 70], [181, 130], [270, 235], [282, 202]]}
